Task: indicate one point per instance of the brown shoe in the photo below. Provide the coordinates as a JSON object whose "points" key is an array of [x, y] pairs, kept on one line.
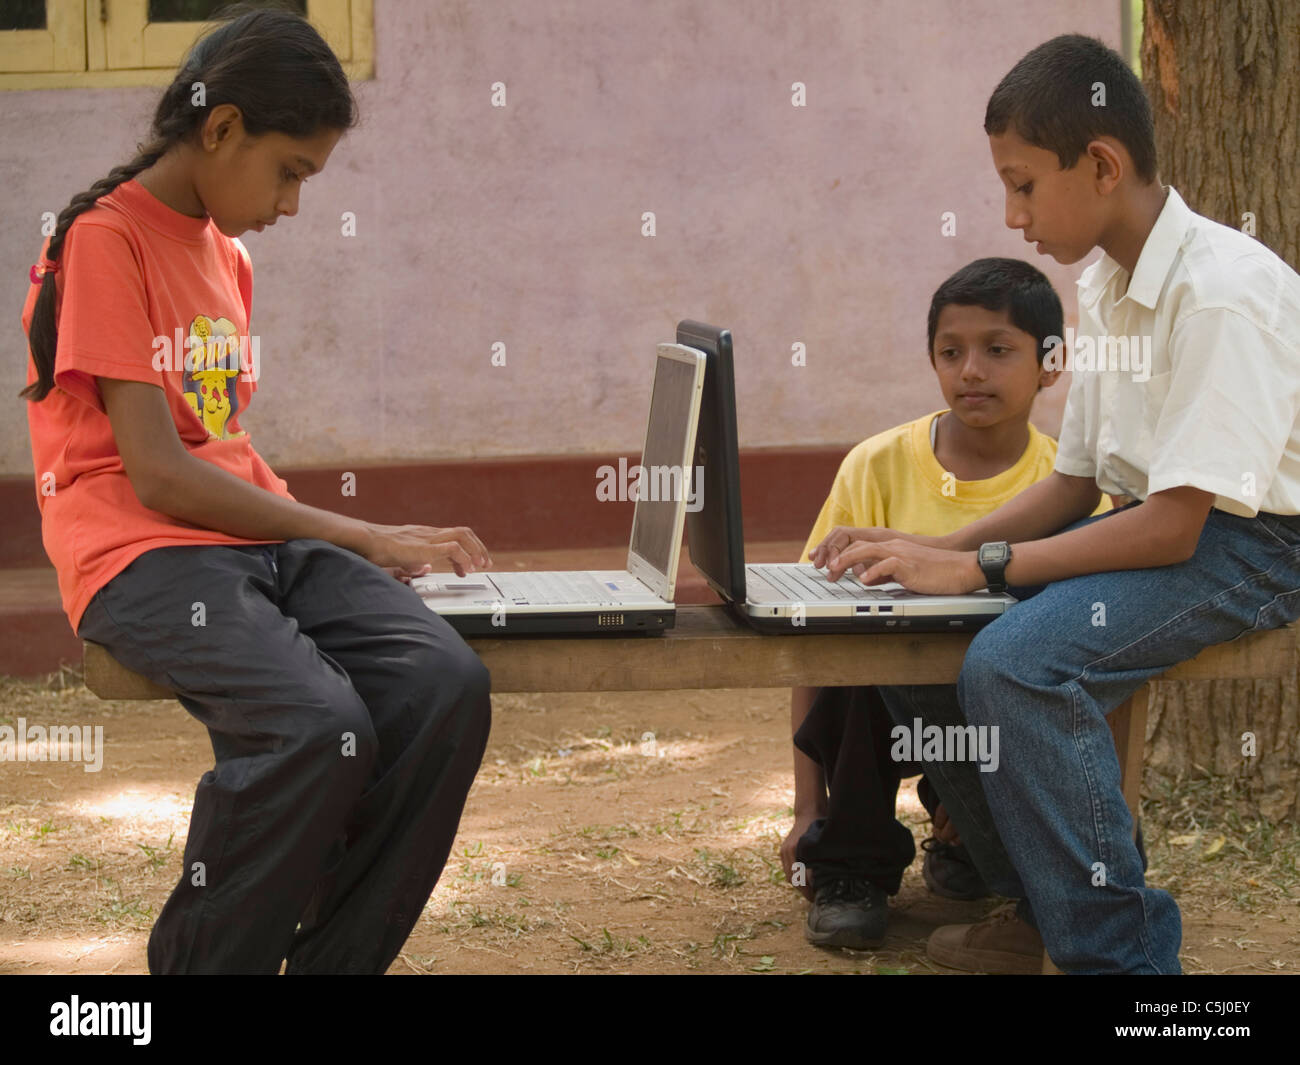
{"points": [[1001, 943]]}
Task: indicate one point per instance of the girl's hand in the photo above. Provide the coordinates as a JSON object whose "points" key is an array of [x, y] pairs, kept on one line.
{"points": [[397, 573], [407, 551], [917, 568], [841, 536]]}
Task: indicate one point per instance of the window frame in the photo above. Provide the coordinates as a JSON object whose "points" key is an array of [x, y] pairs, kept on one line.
{"points": [[111, 43], [60, 47]]}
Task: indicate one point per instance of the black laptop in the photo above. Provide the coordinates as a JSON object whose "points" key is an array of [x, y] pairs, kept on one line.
{"points": [[790, 597]]}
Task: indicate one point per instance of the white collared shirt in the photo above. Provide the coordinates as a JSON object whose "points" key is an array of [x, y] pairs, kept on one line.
{"points": [[1211, 320]]}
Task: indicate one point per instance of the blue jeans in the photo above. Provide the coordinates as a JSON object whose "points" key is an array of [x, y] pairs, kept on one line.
{"points": [[1049, 825]]}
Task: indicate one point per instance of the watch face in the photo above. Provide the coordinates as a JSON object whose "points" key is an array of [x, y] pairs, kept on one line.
{"points": [[992, 552]]}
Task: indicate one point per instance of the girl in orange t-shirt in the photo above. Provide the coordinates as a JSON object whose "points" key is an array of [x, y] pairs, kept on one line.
{"points": [[347, 719]]}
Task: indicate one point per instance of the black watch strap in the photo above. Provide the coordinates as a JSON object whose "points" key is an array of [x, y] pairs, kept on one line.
{"points": [[993, 559]]}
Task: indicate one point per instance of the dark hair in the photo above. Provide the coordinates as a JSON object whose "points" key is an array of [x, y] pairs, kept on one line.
{"points": [[268, 62], [1009, 285], [1047, 100]]}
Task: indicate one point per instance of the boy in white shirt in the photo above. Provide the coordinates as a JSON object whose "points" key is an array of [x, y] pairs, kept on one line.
{"points": [[1205, 438]]}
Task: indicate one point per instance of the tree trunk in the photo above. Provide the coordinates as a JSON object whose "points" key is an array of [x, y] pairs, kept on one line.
{"points": [[1195, 728], [1223, 77]]}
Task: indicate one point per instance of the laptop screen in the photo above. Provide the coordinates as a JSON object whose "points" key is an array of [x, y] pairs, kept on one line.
{"points": [[664, 486], [714, 530]]}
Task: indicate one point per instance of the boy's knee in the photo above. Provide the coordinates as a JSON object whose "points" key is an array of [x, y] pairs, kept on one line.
{"points": [[991, 662]]}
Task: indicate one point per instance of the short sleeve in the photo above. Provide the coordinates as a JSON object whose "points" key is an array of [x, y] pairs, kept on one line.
{"points": [[103, 328], [1232, 399], [1072, 455]]}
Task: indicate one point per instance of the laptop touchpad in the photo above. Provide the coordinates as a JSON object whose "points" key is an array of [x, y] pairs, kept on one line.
{"points": [[461, 587]]}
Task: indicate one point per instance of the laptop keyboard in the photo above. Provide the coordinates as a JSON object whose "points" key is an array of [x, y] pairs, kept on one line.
{"points": [[552, 589], [806, 584]]}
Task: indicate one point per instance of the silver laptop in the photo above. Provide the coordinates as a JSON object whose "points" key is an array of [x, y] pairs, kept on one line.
{"points": [[636, 599], [790, 597]]}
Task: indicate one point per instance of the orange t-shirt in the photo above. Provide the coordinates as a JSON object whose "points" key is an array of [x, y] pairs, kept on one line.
{"points": [[144, 294]]}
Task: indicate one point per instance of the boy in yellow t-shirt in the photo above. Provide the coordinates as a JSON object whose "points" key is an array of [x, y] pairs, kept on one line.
{"points": [[989, 326]]}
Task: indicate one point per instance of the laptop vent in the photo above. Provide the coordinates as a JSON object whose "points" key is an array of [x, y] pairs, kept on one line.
{"points": [[609, 619]]}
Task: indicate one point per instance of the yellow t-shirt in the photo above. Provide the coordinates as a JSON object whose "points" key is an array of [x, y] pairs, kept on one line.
{"points": [[893, 480]]}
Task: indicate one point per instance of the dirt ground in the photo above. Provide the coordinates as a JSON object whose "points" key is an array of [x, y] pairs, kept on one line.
{"points": [[613, 833]]}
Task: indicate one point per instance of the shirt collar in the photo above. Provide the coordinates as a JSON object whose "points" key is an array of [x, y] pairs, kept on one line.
{"points": [[1154, 262]]}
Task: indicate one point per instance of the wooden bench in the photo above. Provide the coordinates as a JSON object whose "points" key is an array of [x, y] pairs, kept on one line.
{"points": [[709, 648]]}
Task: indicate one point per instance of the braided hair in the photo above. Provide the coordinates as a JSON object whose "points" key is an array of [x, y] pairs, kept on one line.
{"points": [[268, 62]]}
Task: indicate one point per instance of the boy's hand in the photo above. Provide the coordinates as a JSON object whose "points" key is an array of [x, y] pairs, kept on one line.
{"points": [[944, 830], [842, 535], [802, 822], [917, 568], [407, 551]]}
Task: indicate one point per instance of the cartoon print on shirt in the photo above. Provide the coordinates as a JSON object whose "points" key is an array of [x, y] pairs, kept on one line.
{"points": [[210, 364]]}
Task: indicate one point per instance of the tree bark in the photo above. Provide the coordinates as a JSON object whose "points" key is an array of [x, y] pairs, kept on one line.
{"points": [[1196, 728], [1223, 77]]}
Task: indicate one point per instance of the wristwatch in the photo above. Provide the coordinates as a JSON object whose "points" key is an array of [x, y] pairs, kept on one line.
{"points": [[993, 559]]}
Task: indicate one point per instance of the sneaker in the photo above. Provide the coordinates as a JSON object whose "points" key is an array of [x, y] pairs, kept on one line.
{"points": [[948, 871], [1001, 943], [848, 912]]}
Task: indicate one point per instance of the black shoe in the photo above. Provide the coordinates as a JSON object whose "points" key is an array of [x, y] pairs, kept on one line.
{"points": [[948, 871], [848, 912]]}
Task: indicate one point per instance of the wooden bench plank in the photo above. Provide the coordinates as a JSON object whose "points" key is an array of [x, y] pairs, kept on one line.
{"points": [[710, 648]]}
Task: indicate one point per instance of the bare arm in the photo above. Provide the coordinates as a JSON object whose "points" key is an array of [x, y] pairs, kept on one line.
{"points": [[1045, 506], [1163, 530], [809, 780], [167, 478], [809, 792], [1041, 509]]}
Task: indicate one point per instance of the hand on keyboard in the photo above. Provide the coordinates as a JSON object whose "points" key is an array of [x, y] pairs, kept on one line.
{"points": [[407, 551], [925, 570], [842, 536]]}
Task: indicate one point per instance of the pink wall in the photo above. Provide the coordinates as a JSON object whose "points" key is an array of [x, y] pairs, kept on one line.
{"points": [[475, 224]]}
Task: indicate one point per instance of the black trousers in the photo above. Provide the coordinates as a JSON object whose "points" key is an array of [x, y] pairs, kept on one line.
{"points": [[847, 733], [347, 723]]}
